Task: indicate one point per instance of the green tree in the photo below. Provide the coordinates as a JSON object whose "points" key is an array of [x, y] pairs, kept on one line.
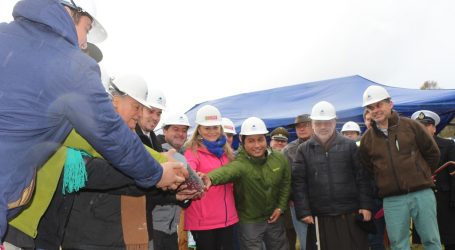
{"points": [[430, 85]]}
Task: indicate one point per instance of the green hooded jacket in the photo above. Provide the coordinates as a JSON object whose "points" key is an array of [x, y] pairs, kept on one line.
{"points": [[261, 184]]}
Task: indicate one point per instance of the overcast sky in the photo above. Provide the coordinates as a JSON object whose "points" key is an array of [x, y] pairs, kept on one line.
{"points": [[196, 51]]}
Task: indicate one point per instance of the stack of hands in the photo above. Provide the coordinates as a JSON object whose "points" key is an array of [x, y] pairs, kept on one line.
{"points": [[187, 184]]}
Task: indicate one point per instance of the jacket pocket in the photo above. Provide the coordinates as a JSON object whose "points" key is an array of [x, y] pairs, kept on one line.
{"points": [[418, 166]]}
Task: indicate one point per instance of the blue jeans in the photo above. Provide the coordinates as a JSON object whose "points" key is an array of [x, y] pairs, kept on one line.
{"points": [[300, 227], [421, 207]]}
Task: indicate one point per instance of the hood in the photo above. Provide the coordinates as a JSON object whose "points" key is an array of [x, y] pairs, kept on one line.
{"points": [[49, 13]]}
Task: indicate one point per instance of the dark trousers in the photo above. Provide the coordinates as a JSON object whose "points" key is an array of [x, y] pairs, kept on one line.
{"points": [[162, 240], [377, 240], [214, 239], [253, 235]]}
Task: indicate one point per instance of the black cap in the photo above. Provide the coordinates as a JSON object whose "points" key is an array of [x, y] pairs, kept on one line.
{"points": [[94, 52], [280, 134]]}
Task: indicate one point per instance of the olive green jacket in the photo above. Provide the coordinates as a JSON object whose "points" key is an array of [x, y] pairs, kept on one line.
{"points": [[260, 185]]}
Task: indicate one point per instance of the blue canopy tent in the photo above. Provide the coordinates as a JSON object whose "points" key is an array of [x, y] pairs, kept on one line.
{"points": [[279, 106]]}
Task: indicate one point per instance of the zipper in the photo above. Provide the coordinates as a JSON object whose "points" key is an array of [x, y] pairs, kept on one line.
{"points": [[329, 173], [225, 203], [391, 163]]}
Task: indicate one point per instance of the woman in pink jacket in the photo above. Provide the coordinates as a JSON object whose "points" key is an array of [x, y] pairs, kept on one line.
{"points": [[211, 218]]}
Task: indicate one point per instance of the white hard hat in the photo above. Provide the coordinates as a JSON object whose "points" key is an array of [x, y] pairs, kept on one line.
{"points": [[156, 99], [176, 119], [97, 34], [228, 126], [323, 111], [426, 117], [133, 85], [208, 115], [374, 94], [350, 126], [253, 126]]}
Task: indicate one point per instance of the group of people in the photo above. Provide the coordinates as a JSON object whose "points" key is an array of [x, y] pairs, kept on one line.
{"points": [[82, 168]]}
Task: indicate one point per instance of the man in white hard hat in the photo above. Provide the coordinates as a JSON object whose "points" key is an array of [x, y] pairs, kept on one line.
{"points": [[127, 96], [351, 130], [261, 180], [49, 86], [122, 216], [402, 155], [229, 129], [175, 132], [150, 117], [445, 183], [330, 187]]}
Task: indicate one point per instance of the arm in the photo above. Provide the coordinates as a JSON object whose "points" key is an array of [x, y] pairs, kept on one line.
{"points": [[362, 180], [363, 156], [300, 185], [227, 173], [285, 185], [427, 146], [87, 107], [451, 152]]}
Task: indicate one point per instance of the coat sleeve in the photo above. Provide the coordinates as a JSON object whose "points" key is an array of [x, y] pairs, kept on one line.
{"points": [[451, 168], [427, 146], [285, 187], [363, 156], [227, 173], [300, 184], [362, 180], [88, 108]]}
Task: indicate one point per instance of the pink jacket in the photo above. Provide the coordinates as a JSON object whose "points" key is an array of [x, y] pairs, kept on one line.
{"points": [[217, 208]]}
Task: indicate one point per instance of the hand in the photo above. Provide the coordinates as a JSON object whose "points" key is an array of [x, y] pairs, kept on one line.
{"points": [[170, 154], [173, 175], [308, 219], [206, 180], [275, 216], [186, 194], [366, 214]]}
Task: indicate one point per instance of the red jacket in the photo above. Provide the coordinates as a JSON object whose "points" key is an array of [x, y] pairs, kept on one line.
{"points": [[217, 208]]}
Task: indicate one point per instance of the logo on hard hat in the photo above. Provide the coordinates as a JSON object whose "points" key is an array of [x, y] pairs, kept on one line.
{"points": [[211, 117], [322, 112], [369, 97], [160, 100], [253, 127]]}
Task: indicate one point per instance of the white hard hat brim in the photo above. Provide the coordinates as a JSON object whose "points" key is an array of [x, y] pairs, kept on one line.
{"points": [[162, 107], [97, 34], [322, 118], [230, 131], [210, 123]]}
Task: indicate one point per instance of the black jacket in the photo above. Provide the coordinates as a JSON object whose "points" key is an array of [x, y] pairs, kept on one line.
{"points": [[329, 182], [444, 181]]}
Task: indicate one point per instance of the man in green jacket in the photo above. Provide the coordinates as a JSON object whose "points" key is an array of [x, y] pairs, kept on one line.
{"points": [[262, 181]]}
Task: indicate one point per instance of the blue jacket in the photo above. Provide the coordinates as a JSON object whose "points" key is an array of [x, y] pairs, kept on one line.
{"points": [[48, 87]]}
